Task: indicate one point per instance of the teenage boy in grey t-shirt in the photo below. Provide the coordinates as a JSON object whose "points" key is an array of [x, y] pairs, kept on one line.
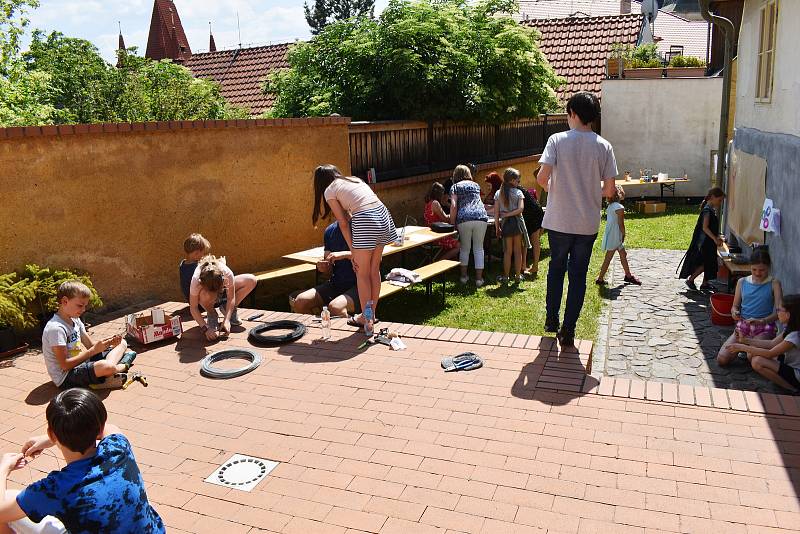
{"points": [[574, 164]]}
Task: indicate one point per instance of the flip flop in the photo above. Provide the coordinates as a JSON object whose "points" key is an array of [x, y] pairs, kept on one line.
{"points": [[466, 361], [351, 321]]}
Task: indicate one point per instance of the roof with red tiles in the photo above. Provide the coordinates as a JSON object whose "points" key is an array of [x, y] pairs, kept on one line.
{"points": [[670, 28], [241, 73], [167, 38], [578, 47]]}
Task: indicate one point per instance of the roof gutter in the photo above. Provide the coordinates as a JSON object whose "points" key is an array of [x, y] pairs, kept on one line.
{"points": [[729, 32]]}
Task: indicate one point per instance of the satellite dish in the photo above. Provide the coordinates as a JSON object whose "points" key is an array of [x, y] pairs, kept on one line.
{"points": [[650, 9]]}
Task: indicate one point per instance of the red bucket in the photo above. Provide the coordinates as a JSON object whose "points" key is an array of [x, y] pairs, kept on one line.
{"points": [[721, 304]]}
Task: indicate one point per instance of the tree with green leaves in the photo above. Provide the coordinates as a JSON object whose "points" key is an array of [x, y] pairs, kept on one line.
{"points": [[12, 26], [420, 60], [324, 12]]}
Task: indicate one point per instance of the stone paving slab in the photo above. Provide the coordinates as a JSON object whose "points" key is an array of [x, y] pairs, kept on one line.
{"points": [[380, 441], [661, 331]]}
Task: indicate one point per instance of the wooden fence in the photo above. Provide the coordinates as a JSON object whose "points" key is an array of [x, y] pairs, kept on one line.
{"points": [[397, 149]]}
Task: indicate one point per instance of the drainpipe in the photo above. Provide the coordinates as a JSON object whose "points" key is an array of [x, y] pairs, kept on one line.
{"points": [[728, 32]]}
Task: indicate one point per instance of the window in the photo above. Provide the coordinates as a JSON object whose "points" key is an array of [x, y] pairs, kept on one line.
{"points": [[766, 50]]}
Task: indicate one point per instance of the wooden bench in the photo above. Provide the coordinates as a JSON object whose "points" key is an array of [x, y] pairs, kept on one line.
{"points": [[428, 273], [274, 274], [285, 271]]}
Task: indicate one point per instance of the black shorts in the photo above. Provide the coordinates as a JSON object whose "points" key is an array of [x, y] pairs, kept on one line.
{"points": [[787, 373], [328, 291], [82, 375]]}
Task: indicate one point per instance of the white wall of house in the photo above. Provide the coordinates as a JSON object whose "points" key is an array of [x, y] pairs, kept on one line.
{"points": [[782, 115], [668, 125]]}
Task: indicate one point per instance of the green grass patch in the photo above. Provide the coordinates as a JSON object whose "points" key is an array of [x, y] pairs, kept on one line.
{"points": [[522, 310]]}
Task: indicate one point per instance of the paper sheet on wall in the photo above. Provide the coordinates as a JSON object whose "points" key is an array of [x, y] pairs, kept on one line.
{"points": [[746, 196], [770, 217]]}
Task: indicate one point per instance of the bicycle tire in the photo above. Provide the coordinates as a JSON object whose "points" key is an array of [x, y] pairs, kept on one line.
{"points": [[257, 337], [209, 371]]}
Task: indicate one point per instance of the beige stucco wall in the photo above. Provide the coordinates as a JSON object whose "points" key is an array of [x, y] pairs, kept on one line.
{"points": [[782, 115], [119, 205], [668, 125]]}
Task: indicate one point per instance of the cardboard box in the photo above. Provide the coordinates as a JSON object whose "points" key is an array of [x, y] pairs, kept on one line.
{"points": [[651, 206], [153, 325]]}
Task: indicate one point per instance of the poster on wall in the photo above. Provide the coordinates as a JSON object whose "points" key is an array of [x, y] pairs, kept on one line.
{"points": [[770, 218]]}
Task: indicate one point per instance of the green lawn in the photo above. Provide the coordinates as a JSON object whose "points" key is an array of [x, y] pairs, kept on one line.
{"points": [[522, 310]]}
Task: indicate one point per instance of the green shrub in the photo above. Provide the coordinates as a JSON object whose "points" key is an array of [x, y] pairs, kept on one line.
{"points": [[686, 61], [27, 296]]}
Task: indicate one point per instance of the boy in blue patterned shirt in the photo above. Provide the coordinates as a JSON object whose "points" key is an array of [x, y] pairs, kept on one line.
{"points": [[99, 490]]}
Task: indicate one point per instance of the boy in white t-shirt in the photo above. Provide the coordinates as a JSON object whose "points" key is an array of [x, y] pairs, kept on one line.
{"points": [[71, 357]]}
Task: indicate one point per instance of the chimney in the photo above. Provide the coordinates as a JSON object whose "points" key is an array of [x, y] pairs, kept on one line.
{"points": [[624, 7]]}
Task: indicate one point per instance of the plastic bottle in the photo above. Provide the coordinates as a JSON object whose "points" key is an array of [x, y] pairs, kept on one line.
{"points": [[326, 322], [369, 317]]}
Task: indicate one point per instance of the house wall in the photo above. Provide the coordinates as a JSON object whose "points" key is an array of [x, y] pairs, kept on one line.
{"points": [[782, 115], [772, 130], [668, 125], [118, 204]]}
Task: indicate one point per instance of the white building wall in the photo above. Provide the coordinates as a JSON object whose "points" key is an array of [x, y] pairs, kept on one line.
{"points": [[782, 115], [668, 125]]}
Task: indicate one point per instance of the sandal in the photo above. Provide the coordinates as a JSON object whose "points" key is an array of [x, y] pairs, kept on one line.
{"points": [[630, 279], [353, 321], [600, 282]]}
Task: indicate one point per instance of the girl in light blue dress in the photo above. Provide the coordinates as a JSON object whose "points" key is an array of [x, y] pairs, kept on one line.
{"points": [[614, 238]]}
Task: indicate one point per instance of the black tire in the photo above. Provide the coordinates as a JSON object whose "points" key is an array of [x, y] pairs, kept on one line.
{"points": [[257, 337]]}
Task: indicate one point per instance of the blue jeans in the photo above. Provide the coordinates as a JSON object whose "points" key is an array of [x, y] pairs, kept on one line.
{"points": [[569, 254]]}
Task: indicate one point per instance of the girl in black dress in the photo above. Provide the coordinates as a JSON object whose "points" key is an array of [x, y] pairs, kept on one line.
{"points": [[701, 257]]}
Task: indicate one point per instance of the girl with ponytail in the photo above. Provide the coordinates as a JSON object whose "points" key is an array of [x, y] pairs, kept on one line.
{"points": [[701, 257]]}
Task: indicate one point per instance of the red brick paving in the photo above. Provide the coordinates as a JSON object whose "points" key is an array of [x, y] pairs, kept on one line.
{"points": [[381, 441]]}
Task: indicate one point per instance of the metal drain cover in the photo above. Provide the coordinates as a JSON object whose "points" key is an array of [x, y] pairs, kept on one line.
{"points": [[242, 472]]}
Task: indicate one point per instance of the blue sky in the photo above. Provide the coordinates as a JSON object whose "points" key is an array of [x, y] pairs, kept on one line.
{"points": [[262, 21]]}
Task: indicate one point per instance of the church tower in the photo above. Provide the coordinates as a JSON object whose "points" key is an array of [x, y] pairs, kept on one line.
{"points": [[167, 40]]}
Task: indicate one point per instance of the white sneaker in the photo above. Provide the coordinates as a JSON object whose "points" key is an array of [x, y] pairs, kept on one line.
{"points": [[479, 282], [464, 279]]}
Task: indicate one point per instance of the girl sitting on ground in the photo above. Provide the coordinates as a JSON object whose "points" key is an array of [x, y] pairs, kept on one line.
{"points": [[777, 359], [435, 213], [614, 238], [754, 303], [365, 222], [509, 204], [212, 282], [701, 256]]}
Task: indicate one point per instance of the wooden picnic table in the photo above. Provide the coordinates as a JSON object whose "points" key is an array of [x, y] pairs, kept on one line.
{"points": [[414, 236], [669, 184]]}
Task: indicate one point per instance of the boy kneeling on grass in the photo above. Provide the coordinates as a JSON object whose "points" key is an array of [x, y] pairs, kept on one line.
{"points": [[99, 490], [71, 357]]}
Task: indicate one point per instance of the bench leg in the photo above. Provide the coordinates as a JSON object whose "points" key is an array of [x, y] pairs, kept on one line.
{"points": [[444, 286], [428, 289]]}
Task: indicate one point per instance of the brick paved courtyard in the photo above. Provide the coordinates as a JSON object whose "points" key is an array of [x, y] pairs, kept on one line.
{"points": [[380, 441]]}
